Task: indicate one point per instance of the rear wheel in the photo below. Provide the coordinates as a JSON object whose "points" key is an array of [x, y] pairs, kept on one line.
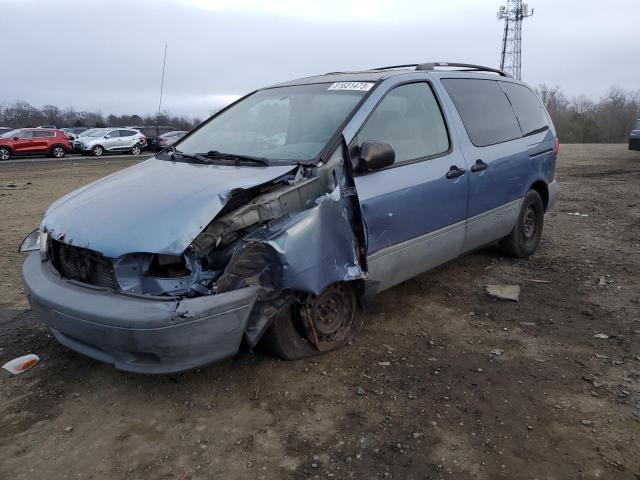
{"points": [[317, 325], [5, 154], [57, 151], [97, 151], [525, 237], [136, 150]]}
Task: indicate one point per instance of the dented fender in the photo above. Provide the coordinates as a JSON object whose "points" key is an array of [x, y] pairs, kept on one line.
{"points": [[305, 251]]}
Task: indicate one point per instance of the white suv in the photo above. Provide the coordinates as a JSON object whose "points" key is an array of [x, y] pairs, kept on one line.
{"points": [[111, 140]]}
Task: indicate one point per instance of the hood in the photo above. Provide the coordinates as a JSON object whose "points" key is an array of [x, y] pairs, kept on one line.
{"points": [[155, 206]]}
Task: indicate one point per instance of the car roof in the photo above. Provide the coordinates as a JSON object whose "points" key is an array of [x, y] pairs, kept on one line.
{"points": [[376, 74]]}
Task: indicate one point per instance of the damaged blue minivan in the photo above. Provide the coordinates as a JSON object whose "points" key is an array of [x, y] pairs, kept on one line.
{"points": [[277, 217]]}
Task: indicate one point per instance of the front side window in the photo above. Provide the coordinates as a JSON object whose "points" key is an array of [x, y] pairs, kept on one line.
{"points": [[25, 134], [409, 118], [529, 110], [485, 110], [281, 124]]}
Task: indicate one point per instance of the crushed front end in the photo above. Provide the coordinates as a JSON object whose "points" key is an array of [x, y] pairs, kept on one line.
{"points": [[176, 308]]}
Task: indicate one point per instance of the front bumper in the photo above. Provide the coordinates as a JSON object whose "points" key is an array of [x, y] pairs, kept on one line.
{"points": [[634, 144], [133, 333]]}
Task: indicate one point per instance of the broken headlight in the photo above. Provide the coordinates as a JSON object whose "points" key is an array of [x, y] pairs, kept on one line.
{"points": [[36, 240]]}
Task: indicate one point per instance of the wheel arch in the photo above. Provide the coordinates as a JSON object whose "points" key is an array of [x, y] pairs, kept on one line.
{"points": [[542, 188]]}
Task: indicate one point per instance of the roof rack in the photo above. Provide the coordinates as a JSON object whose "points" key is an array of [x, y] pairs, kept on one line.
{"points": [[468, 67]]}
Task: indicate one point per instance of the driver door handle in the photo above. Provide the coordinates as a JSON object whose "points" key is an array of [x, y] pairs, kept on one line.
{"points": [[455, 172], [479, 166]]}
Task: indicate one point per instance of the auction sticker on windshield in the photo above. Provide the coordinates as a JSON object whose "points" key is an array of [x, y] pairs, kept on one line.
{"points": [[360, 86]]}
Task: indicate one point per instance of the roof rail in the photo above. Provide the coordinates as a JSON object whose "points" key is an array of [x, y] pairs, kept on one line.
{"points": [[432, 66]]}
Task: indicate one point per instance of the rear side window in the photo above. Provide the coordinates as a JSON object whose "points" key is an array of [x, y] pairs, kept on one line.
{"points": [[127, 133], [528, 108], [485, 110], [409, 118], [42, 133], [114, 134]]}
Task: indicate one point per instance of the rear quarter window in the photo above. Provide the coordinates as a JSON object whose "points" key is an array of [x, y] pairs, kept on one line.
{"points": [[529, 110], [485, 110]]}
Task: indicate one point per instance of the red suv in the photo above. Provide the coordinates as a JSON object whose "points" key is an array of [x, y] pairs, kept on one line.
{"points": [[34, 141]]}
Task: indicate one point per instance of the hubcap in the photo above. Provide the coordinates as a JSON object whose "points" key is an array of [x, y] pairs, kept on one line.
{"points": [[530, 222], [328, 318]]}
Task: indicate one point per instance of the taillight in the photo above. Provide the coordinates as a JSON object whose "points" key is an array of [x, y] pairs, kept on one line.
{"points": [[556, 148]]}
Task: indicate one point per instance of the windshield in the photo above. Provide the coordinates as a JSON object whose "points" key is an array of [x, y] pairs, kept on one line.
{"points": [[281, 124], [96, 132], [9, 134]]}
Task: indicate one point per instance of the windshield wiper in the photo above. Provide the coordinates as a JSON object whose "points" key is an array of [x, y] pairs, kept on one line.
{"points": [[216, 155], [174, 152]]}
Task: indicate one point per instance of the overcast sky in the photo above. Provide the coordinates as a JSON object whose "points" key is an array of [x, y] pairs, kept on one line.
{"points": [[107, 54]]}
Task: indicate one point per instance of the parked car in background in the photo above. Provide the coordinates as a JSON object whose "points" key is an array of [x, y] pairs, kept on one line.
{"points": [[276, 227], [110, 140], [151, 132], [74, 132], [166, 139], [34, 141], [47, 126], [634, 137]]}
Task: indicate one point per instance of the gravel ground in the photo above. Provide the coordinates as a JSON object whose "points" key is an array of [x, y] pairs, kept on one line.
{"points": [[443, 382]]}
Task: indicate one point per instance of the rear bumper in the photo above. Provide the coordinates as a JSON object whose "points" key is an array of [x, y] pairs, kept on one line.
{"points": [[554, 193], [137, 334]]}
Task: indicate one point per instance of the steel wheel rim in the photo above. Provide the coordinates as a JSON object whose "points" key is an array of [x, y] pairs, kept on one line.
{"points": [[328, 318], [530, 222]]}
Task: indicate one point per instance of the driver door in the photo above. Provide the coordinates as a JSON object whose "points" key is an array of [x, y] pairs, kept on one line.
{"points": [[112, 140], [414, 210]]}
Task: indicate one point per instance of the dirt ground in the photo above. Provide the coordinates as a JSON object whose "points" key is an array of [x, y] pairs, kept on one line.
{"points": [[474, 387]]}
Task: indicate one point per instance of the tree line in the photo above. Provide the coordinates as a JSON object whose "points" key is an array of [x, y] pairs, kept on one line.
{"points": [[581, 120], [577, 119], [21, 114]]}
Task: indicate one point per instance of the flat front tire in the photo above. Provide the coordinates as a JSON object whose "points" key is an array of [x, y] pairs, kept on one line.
{"points": [[524, 239], [316, 325]]}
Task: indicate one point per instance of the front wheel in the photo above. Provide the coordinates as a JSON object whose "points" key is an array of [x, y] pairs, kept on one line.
{"points": [[5, 154], [136, 150], [57, 151], [525, 237], [316, 325], [97, 151]]}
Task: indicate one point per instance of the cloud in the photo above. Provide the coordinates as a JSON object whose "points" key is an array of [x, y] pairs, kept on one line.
{"points": [[107, 54]]}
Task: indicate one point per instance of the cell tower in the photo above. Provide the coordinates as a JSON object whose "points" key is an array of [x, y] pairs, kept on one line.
{"points": [[513, 14]]}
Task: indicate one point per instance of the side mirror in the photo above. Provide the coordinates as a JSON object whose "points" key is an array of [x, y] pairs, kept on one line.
{"points": [[374, 155], [15, 138], [107, 136]]}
